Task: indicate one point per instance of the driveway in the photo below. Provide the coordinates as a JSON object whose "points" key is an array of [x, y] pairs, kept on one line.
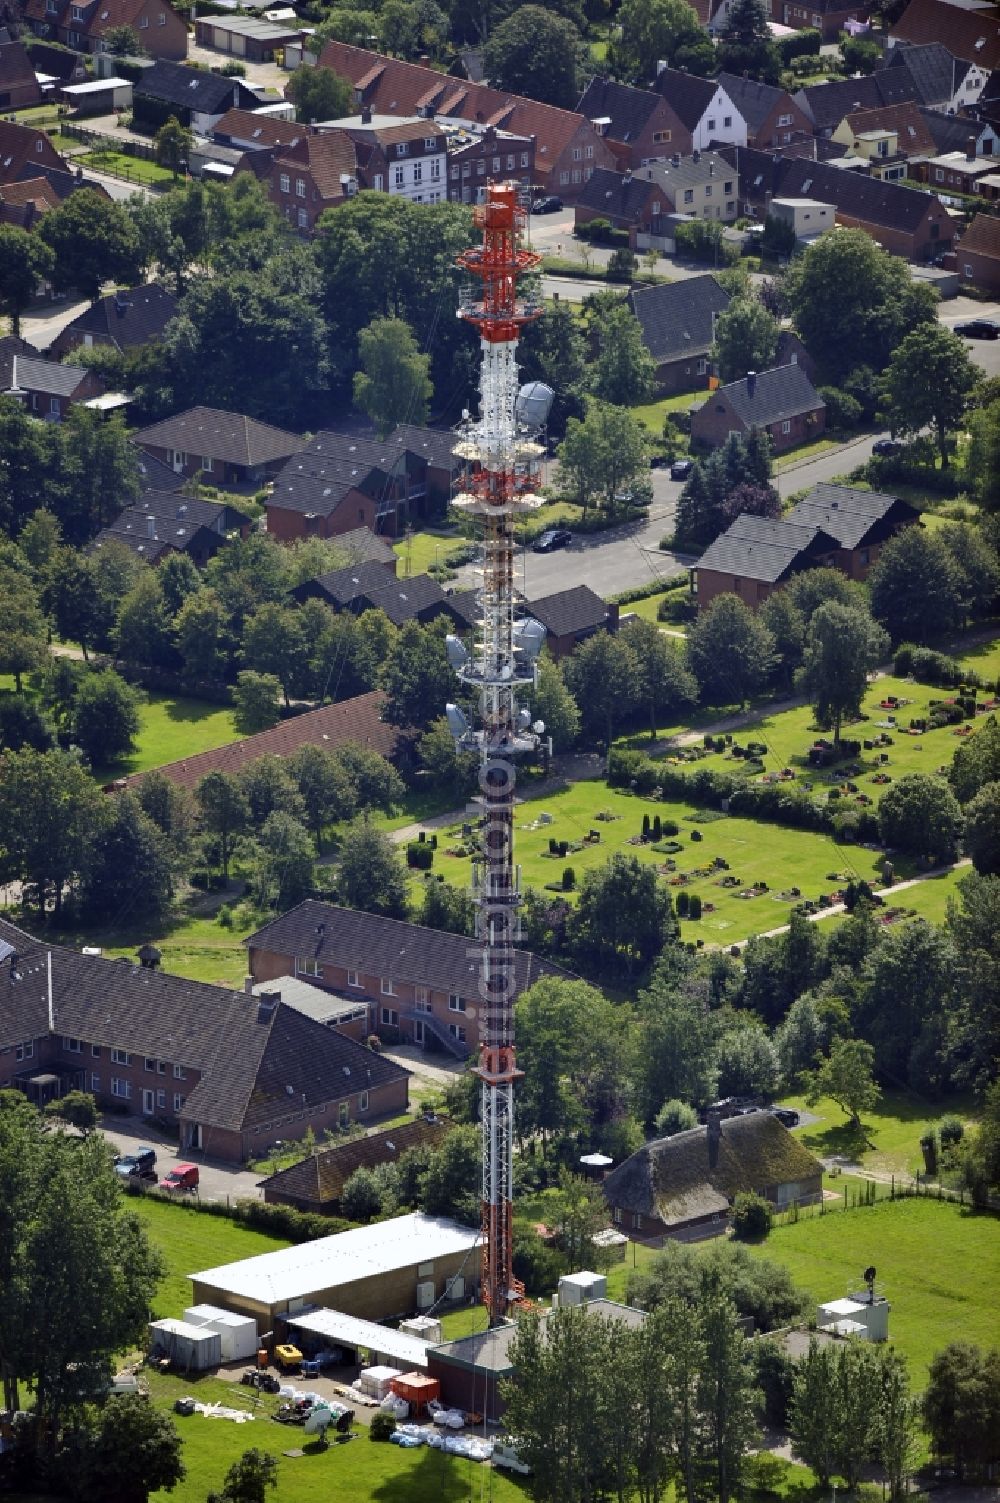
{"points": [[41, 324], [217, 1181], [985, 352]]}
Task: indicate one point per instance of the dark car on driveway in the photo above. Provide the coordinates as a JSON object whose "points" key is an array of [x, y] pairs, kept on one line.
{"points": [[139, 1164], [547, 205], [886, 447], [548, 542], [979, 328], [681, 469]]}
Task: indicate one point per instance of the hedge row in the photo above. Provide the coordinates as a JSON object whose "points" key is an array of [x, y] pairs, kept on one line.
{"points": [[279, 1221], [930, 667]]}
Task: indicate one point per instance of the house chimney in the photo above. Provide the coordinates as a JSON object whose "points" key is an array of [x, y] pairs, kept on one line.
{"points": [[713, 1122], [751, 383], [676, 159], [970, 150], [267, 1006], [366, 114], [696, 155], [711, 169]]}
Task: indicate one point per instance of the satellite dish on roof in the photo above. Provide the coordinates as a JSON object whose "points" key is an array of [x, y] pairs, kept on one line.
{"points": [[534, 401]]}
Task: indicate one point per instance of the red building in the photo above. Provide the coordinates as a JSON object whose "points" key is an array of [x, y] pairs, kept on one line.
{"points": [[782, 402]]}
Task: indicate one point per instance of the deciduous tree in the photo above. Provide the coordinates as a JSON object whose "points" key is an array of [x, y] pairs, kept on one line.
{"points": [[730, 651], [843, 645], [93, 240], [982, 830], [319, 94], [603, 677], [536, 53], [846, 1077], [173, 142], [624, 368], [653, 29], [25, 261], [666, 684], [915, 587], [921, 816], [370, 874], [23, 629], [105, 719], [746, 338], [928, 384], [393, 385], [624, 915], [224, 812]]}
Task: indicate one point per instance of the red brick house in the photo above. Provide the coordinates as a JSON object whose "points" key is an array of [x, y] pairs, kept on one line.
{"points": [[82, 26], [19, 88], [571, 616], [317, 1183], [251, 130], [782, 402], [23, 204], [828, 17], [22, 149], [861, 521], [226, 1071], [124, 320], [677, 320], [637, 124], [423, 984], [773, 118], [475, 156], [971, 34], [50, 389], [567, 147], [312, 173], [978, 253], [231, 448]]}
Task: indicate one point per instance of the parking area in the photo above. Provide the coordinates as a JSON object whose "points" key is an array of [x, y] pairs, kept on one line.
{"points": [[217, 1181]]}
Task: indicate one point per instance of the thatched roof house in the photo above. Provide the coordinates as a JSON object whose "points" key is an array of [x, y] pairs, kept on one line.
{"points": [[684, 1186]]}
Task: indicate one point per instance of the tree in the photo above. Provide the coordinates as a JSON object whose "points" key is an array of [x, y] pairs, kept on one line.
{"points": [[846, 294], [603, 456], [982, 830], [976, 761], [603, 677], [982, 457], [747, 1062], [727, 1396], [126, 868], [77, 1109], [928, 384], [105, 719], [30, 461], [666, 684], [843, 644], [624, 915], [249, 1479], [976, 568], [376, 783], [100, 467], [915, 589], [23, 629], [816, 1422], [25, 261], [327, 791], [284, 869], [554, 705], [393, 385], [846, 1077], [673, 1117], [48, 808], [746, 45], [676, 1057], [536, 53], [122, 41], [451, 1184], [961, 1408], [417, 678], [553, 349], [757, 1287], [371, 875], [730, 651], [319, 94], [624, 368], [746, 334], [22, 723], [361, 1197], [897, 1427], [201, 636], [655, 29], [224, 812], [814, 587], [787, 626], [273, 643], [179, 582], [255, 700], [572, 1044], [446, 907], [133, 1450], [143, 627], [974, 1022], [173, 142], [93, 240], [921, 816]]}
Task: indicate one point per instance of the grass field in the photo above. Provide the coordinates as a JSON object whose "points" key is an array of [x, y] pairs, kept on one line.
{"points": [[132, 169], [357, 1469], [985, 659], [937, 1263], [190, 1241], [652, 414], [805, 451], [647, 608], [890, 1140], [170, 728], [422, 549]]}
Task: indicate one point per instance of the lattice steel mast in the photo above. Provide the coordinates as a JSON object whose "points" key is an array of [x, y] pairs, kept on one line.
{"points": [[501, 452]]}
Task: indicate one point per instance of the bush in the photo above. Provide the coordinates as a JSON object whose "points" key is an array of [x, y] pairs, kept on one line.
{"points": [[842, 411], [930, 667], [682, 904], [420, 855], [752, 1217], [951, 1131], [382, 1426], [622, 264], [805, 43], [674, 1117]]}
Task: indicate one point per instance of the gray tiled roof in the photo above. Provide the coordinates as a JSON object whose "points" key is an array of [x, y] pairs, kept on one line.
{"points": [[951, 132], [753, 99], [826, 104], [318, 477], [866, 198], [321, 1177], [688, 97], [362, 546], [375, 586], [764, 549], [231, 437], [568, 612], [45, 376], [678, 318], [127, 319], [193, 88], [387, 947], [936, 74], [618, 195], [845, 513], [782, 392], [628, 109], [157, 476]]}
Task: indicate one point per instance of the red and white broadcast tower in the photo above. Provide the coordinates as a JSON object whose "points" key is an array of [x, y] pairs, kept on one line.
{"points": [[501, 452]]}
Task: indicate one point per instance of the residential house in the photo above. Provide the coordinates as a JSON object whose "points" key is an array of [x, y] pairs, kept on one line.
{"points": [[83, 24], [962, 133], [955, 172], [317, 1183], [256, 130], [23, 204], [677, 321], [19, 88], [704, 108], [355, 721], [889, 138], [773, 118], [861, 521], [309, 175], [970, 32], [406, 158], [154, 474], [978, 253], [826, 104], [342, 481], [702, 185], [24, 152], [755, 556], [571, 616], [944, 82], [125, 320], [248, 37], [348, 1017], [193, 96], [49, 389], [477, 153], [373, 587], [225, 1071], [684, 1187], [626, 201], [163, 522], [362, 546], [828, 17], [567, 147], [229, 447], [640, 126], [98, 96], [782, 401], [424, 983], [905, 221]]}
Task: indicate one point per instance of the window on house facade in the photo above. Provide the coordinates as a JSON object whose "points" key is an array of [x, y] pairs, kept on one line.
{"points": [[480, 169], [72, 1046], [386, 987], [25, 1051], [161, 19], [784, 119], [161, 1101], [285, 183], [390, 1017], [968, 270], [662, 135], [564, 177], [178, 1102], [120, 1057], [143, 23], [303, 219], [95, 1083], [457, 1032], [363, 1102], [418, 172], [689, 195], [379, 182], [149, 1065], [436, 170], [180, 1073], [636, 1221], [300, 187], [430, 143], [306, 967], [576, 174], [727, 122], [344, 1115], [402, 147], [510, 164], [122, 1088], [95, 1051], [577, 154], [938, 175], [786, 426], [456, 1003], [398, 177], [525, 159]]}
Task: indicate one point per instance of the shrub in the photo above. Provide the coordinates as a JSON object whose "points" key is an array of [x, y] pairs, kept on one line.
{"points": [[805, 43], [842, 411], [382, 1426], [930, 667], [752, 1217], [673, 1117], [622, 264], [419, 855], [929, 1149], [696, 835], [951, 1131], [646, 827]]}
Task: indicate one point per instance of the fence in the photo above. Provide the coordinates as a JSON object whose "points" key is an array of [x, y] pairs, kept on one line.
{"points": [[99, 141], [870, 1192]]}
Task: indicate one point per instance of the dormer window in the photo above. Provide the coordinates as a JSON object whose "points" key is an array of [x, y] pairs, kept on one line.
{"points": [[76, 11], [430, 143], [402, 147]]}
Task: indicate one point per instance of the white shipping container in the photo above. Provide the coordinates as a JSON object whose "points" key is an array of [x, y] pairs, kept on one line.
{"points": [[238, 1333], [192, 1348]]}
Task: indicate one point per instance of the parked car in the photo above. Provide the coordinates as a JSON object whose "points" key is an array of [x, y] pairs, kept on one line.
{"points": [[979, 328], [181, 1177], [681, 469], [555, 537], [139, 1164], [547, 205], [786, 1116], [886, 447]]}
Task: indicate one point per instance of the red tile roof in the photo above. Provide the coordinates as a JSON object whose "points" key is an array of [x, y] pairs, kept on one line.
{"points": [[973, 35], [266, 130], [914, 134], [329, 156], [983, 236], [352, 720], [20, 146]]}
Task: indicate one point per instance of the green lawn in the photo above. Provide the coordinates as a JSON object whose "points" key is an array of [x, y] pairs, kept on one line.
{"points": [[890, 1140], [647, 608], [985, 659], [193, 943], [132, 169], [356, 1470], [937, 1263], [806, 451], [190, 1241], [652, 414], [422, 549], [172, 727]]}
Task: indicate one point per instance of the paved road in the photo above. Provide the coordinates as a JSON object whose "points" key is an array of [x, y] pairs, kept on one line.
{"points": [[218, 1181], [985, 352], [40, 325]]}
